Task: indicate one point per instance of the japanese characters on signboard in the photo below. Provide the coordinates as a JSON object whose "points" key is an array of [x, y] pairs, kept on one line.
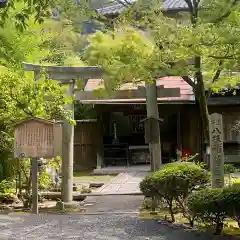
{"points": [[216, 154], [36, 138]]}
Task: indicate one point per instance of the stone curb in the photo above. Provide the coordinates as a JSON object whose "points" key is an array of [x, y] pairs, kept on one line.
{"points": [[107, 213], [97, 194], [112, 194]]}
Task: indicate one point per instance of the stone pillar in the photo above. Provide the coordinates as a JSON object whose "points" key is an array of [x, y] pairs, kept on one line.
{"points": [[99, 160], [152, 111], [216, 150], [67, 152]]}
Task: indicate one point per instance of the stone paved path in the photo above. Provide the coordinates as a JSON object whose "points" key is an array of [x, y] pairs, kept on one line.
{"points": [[123, 183], [113, 204]]}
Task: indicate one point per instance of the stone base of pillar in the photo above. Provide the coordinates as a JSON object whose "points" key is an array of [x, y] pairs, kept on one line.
{"points": [[99, 161], [68, 206]]}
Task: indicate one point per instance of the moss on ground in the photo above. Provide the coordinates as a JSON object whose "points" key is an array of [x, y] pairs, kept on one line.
{"points": [[230, 226]]}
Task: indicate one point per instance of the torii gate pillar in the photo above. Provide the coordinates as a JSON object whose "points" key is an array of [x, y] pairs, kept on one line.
{"points": [[66, 76]]}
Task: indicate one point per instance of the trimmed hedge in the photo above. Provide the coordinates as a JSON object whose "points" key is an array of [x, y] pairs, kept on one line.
{"points": [[184, 186], [174, 182], [213, 206]]}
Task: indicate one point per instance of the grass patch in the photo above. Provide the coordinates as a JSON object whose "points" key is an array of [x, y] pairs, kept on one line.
{"points": [[85, 176], [230, 226], [162, 215]]}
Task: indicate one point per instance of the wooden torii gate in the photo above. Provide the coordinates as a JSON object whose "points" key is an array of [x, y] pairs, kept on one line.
{"points": [[67, 76]]}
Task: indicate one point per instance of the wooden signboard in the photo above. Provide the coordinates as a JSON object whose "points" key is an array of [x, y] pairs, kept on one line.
{"points": [[216, 150], [37, 138]]}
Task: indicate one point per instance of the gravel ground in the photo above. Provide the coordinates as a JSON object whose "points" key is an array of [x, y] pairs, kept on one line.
{"points": [[106, 218], [91, 227]]}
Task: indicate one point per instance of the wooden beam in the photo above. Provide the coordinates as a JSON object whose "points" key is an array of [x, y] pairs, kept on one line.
{"points": [[234, 100], [126, 94], [66, 73]]}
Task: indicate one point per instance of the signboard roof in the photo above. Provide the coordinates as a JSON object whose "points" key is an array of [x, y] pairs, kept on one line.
{"points": [[37, 119]]}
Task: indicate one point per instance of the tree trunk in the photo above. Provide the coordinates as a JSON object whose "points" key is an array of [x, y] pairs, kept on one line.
{"points": [[203, 107], [204, 116], [219, 228], [200, 95], [170, 207], [191, 222]]}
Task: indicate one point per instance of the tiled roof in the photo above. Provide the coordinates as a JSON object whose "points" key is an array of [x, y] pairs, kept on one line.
{"points": [[119, 8], [186, 92]]}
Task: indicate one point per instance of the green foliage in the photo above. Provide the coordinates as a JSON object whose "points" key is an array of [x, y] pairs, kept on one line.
{"points": [[229, 168], [147, 187], [213, 206], [7, 187], [6, 165], [20, 96], [128, 57], [232, 201], [194, 174], [24, 172], [20, 11], [201, 45], [7, 191], [208, 205], [50, 42], [45, 181], [147, 203], [165, 46], [84, 111], [8, 198], [86, 190], [174, 182]]}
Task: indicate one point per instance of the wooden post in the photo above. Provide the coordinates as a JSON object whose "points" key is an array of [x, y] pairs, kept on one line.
{"points": [[100, 146], [216, 150], [179, 143], [152, 111], [34, 185]]}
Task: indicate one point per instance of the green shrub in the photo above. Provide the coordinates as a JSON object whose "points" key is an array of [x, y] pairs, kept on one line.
{"points": [[147, 187], [174, 182], [213, 206], [85, 190], [229, 168], [207, 205], [7, 187], [232, 202], [193, 173], [45, 180], [8, 198], [7, 192], [147, 203]]}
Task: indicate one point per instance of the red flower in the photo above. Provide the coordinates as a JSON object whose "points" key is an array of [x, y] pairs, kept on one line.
{"points": [[186, 152]]}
